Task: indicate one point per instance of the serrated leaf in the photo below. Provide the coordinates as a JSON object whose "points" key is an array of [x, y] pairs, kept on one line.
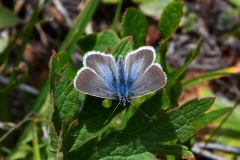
{"points": [[145, 136], [104, 41], [7, 17], [93, 116], [66, 96], [210, 117], [170, 19], [135, 24]]}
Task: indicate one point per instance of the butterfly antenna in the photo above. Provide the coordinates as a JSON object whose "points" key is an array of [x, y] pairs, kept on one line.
{"points": [[111, 113], [145, 114]]}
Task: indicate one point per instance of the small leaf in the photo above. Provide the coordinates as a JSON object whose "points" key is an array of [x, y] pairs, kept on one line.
{"points": [[125, 46], [104, 41], [7, 17], [135, 24], [3, 44], [152, 8], [170, 19], [88, 42]]}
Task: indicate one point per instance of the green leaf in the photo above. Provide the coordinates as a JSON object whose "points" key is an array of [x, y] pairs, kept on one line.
{"points": [[63, 93], [66, 96], [211, 75], [125, 46], [62, 106], [93, 116], [176, 76], [152, 8], [110, 1], [7, 17], [135, 24], [143, 136], [145, 152], [3, 44], [170, 19], [104, 41], [236, 2]]}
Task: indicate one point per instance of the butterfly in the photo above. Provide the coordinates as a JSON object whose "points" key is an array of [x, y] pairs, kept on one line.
{"points": [[127, 78]]}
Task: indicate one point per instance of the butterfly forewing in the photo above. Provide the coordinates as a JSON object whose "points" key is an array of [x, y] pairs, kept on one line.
{"points": [[89, 82], [101, 79], [104, 65], [137, 62], [151, 80]]}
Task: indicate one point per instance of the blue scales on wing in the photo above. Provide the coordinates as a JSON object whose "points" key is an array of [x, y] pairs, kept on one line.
{"points": [[142, 75], [98, 75]]}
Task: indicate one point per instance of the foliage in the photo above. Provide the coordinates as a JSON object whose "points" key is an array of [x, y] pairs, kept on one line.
{"points": [[75, 122], [129, 135], [7, 17]]}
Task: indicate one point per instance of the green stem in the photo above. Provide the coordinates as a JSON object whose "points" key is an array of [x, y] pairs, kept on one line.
{"points": [[36, 152], [116, 16], [27, 32], [77, 30]]}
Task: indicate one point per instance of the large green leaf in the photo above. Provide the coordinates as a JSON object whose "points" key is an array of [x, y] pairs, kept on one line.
{"points": [[63, 105], [170, 18], [143, 137], [135, 24]]}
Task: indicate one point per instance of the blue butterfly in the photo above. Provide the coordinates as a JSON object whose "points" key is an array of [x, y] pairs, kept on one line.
{"points": [[133, 76]]}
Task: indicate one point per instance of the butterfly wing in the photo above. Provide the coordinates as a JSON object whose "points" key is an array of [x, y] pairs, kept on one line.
{"points": [[137, 62], [98, 76], [151, 80], [89, 82], [104, 65]]}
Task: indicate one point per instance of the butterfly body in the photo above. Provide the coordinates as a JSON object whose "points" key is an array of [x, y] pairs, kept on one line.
{"points": [[131, 77]]}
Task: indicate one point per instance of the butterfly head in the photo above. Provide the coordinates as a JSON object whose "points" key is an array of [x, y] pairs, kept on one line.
{"points": [[123, 101]]}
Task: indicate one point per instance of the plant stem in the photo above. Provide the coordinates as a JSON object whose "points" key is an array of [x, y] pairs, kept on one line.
{"points": [[116, 16], [36, 152], [77, 30]]}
